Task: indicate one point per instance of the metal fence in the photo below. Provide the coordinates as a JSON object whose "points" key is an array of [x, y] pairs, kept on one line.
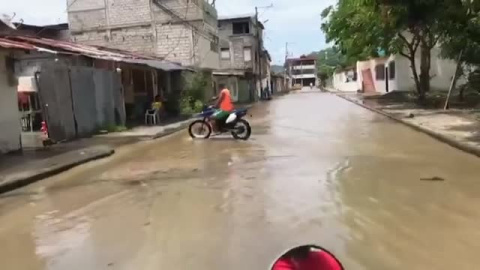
{"points": [[79, 101]]}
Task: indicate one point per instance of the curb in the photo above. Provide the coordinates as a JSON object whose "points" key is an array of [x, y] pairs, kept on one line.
{"points": [[22, 181], [442, 138], [169, 131]]}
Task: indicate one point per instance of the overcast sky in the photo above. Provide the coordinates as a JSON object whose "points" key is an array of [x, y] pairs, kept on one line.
{"points": [[294, 21]]}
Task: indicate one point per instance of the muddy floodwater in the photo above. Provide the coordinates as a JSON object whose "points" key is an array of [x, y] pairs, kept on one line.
{"points": [[318, 169]]}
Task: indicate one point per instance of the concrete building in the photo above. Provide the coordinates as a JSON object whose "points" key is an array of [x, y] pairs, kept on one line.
{"points": [[183, 31], [393, 73], [278, 83], [244, 64], [303, 71]]}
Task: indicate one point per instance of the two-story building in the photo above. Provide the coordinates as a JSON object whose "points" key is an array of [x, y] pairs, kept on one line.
{"points": [[244, 63], [183, 31], [303, 71]]}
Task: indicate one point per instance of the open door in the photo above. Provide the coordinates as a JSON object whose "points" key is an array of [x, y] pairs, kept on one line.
{"points": [[367, 81]]}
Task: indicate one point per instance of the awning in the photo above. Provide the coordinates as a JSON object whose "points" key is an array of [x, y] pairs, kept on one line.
{"points": [[59, 47], [229, 73], [157, 64]]}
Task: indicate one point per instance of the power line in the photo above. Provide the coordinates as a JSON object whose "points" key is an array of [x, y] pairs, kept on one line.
{"points": [[181, 36], [71, 4], [172, 13]]}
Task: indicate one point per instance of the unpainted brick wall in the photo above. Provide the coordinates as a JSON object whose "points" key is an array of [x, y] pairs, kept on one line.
{"points": [[130, 23], [124, 12], [190, 11], [174, 41], [80, 5], [99, 38], [86, 20], [137, 39]]}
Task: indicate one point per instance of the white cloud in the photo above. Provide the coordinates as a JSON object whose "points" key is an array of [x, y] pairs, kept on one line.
{"points": [[40, 12], [297, 22]]}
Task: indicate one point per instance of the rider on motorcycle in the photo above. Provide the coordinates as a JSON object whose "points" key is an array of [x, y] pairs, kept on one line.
{"points": [[225, 107]]}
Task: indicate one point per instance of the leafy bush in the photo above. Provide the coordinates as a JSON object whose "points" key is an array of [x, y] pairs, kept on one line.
{"points": [[194, 93], [186, 106], [198, 106]]}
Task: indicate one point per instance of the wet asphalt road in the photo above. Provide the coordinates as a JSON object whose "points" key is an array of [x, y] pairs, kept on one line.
{"points": [[318, 169]]}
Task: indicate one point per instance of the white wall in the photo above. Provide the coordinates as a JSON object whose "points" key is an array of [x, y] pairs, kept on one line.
{"points": [[340, 83], [380, 85], [9, 116], [442, 71]]}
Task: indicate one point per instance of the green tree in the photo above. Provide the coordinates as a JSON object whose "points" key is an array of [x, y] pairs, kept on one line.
{"points": [[329, 60], [462, 42], [362, 28]]}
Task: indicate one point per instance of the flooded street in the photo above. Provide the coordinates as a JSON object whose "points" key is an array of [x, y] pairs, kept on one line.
{"points": [[317, 169]]}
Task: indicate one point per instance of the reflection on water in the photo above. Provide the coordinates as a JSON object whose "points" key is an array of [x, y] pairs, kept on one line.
{"points": [[55, 235]]}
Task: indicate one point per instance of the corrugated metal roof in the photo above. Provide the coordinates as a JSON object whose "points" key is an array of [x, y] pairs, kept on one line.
{"points": [[158, 64], [72, 47], [9, 44], [54, 46]]}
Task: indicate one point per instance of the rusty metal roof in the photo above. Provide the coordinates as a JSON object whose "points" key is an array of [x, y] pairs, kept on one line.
{"points": [[10, 44], [72, 47], [58, 46]]}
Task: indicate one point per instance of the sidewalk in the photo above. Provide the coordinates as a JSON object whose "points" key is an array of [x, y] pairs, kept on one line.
{"points": [[20, 169], [458, 128]]}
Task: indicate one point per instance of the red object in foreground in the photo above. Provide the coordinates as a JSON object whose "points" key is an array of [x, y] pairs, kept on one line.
{"points": [[316, 260]]}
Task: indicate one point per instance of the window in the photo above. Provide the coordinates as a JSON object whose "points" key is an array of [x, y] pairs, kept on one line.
{"points": [[351, 76], [225, 53], [241, 28], [391, 70], [308, 62], [247, 54], [380, 72], [214, 46], [303, 71]]}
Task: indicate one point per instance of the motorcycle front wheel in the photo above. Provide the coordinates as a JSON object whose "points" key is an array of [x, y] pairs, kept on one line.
{"points": [[242, 130], [200, 129]]}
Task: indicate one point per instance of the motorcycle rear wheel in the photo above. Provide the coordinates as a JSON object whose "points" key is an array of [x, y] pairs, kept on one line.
{"points": [[203, 127]]}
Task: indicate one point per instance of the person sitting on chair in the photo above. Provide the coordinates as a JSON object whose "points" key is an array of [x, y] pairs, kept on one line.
{"points": [[157, 103], [154, 110]]}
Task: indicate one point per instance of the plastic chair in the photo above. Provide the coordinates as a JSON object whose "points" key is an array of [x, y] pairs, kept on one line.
{"points": [[152, 116]]}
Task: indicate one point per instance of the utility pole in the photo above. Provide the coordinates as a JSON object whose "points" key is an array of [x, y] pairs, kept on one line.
{"points": [[286, 66], [259, 44], [259, 50]]}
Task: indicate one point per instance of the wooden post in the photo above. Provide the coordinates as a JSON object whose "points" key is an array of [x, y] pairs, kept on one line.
{"points": [[454, 79]]}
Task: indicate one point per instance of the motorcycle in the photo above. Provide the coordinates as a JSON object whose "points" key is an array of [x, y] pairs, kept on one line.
{"points": [[235, 124], [307, 257]]}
